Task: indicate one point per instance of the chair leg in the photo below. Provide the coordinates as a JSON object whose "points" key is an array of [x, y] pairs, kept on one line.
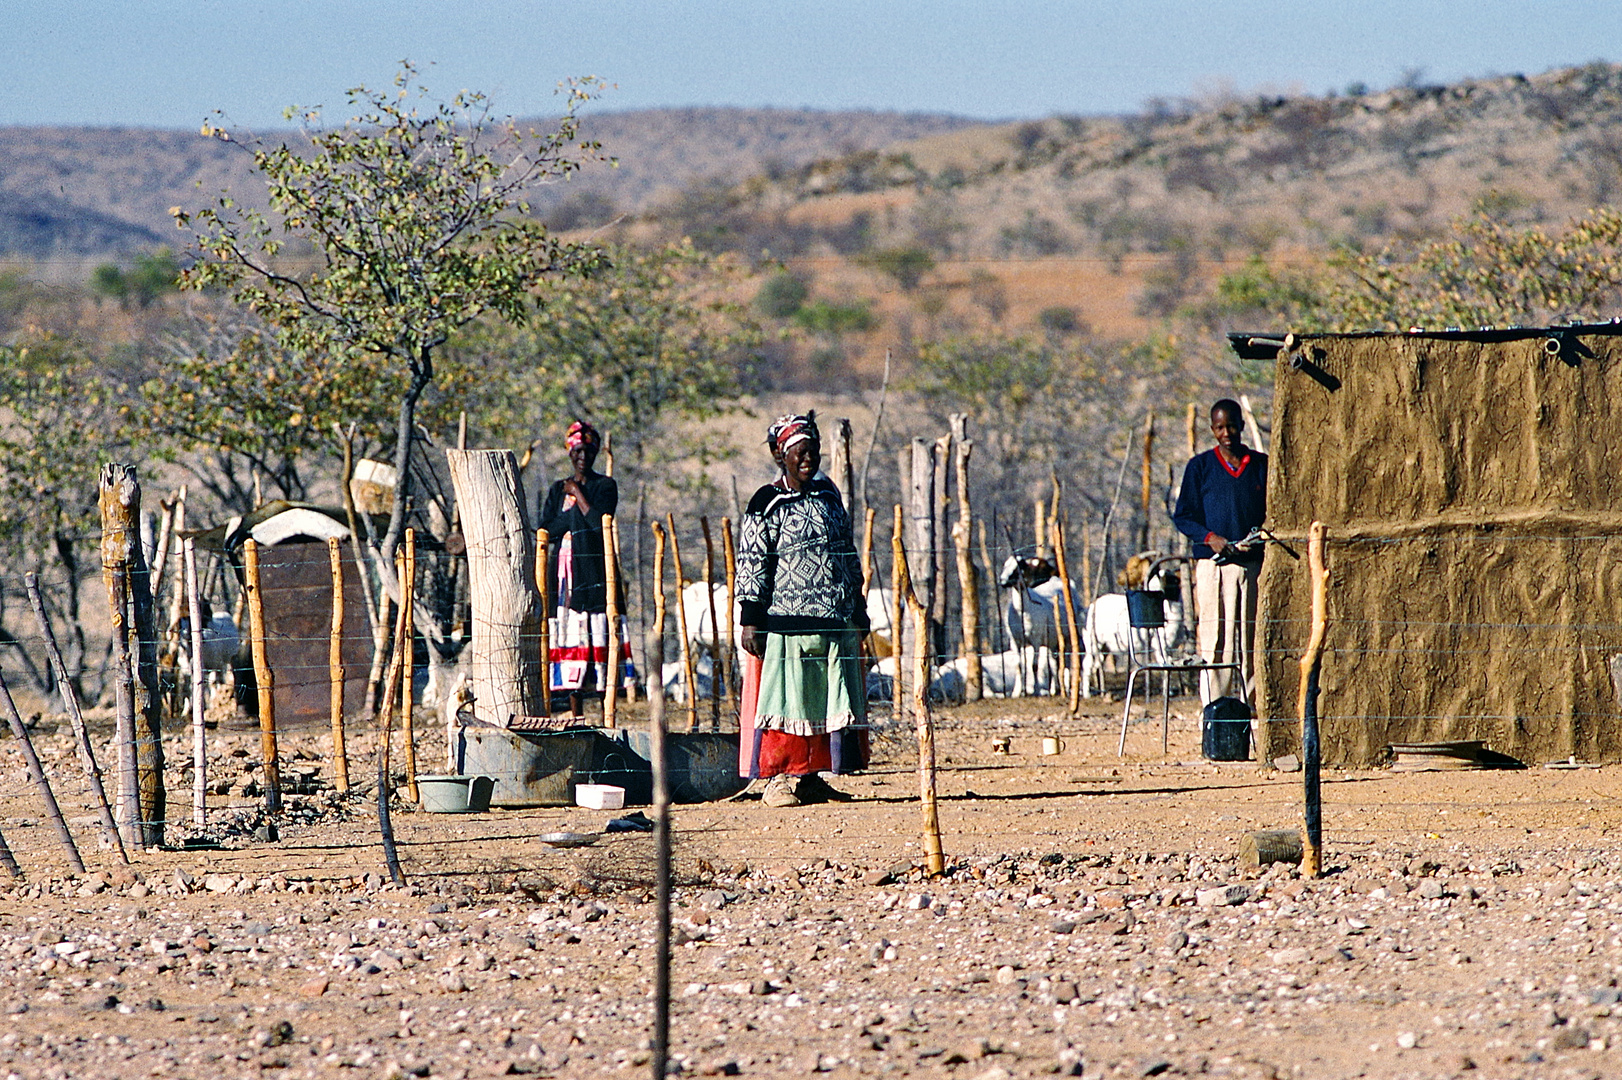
{"points": [[1126, 709], [1165, 712]]}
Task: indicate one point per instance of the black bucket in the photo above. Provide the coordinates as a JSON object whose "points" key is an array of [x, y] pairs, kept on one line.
{"points": [[1225, 730], [1145, 610]]}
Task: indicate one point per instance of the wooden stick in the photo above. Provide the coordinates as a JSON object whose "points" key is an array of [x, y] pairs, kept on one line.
{"points": [[1059, 541], [729, 552], [542, 539], [118, 507], [717, 663], [70, 702], [1041, 525], [611, 582], [897, 628], [1148, 480], [867, 550], [1312, 808], [654, 651], [626, 688], [36, 773], [199, 744], [408, 663], [691, 681], [264, 678], [335, 667], [383, 724], [936, 859]]}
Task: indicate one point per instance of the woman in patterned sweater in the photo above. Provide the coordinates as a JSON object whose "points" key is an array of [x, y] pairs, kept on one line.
{"points": [[803, 617]]}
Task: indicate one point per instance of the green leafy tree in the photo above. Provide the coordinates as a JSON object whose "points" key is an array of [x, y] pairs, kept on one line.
{"points": [[907, 265], [152, 275], [415, 220], [640, 348]]}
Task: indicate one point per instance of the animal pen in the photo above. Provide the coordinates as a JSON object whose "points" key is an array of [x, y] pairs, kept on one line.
{"points": [[1470, 483]]}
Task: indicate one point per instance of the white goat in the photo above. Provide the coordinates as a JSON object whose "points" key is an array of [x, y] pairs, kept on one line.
{"points": [[1035, 604]]}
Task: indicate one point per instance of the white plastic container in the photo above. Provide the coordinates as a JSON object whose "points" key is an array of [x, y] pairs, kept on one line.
{"points": [[599, 796]]}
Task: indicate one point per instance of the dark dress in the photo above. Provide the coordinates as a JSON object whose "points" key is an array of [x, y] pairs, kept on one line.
{"points": [[578, 659], [586, 537]]}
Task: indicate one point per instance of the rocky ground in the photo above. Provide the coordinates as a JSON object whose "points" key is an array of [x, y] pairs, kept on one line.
{"points": [[1095, 921]]}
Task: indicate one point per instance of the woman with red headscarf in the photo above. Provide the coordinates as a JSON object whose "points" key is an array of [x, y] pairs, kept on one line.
{"points": [[573, 516], [803, 616]]}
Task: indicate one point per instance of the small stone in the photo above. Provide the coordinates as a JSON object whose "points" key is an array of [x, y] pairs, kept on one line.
{"points": [[1006, 975], [1154, 1067], [1287, 763], [219, 883], [266, 833], [453, 982], [1176, 940], [1290, 957], [314, 988], [1115, 927], [714, 898], [919, 901], [1065, 992], [139, 891], [183, 881], [1111, 900], [996, 1072], [760, 987], [1407, 1040], [1431, 889], [877, 877], [1062, 926], [1223, 896], [1574, 1037]]}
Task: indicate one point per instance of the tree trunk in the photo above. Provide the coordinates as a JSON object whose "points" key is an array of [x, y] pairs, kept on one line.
{"points": [[968, 576], [841, 468], [938, 599], [505, 670], [920, 546], [140, 791]]}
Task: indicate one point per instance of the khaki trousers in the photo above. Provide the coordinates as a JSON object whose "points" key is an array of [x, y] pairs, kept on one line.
{"points": [[1225, 601]]}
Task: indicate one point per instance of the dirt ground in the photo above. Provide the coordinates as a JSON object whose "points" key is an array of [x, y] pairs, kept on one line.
{"points": [[1094, 921]]}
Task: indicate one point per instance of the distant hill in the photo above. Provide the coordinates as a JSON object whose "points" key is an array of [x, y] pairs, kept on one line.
{"points": [[94, 193]]}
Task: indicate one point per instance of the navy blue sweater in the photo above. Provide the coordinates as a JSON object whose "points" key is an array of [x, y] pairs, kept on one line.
{"points": [[1214, 500]]}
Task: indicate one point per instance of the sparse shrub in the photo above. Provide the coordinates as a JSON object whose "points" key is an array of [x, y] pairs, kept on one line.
{"points": [[1059, 321], [1035, 235], [907, 265], [822, 317], [781, 296]]}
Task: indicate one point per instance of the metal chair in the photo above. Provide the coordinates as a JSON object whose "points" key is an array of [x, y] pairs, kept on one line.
{"points": [[1144, 616]]}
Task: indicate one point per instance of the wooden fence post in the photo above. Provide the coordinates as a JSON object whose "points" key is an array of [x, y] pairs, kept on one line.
{"points": [[611, 584], [730, 553], [199, 738], [264, 677], [408, 662], [542, 541], [1312, 836], [383, 724], [654, 651], [81, 735], [1076, 645], [941, 468], [335, 666], [119, 507], [968, 575], [897, 609], [717, 664], [1148, 480], [690, 681], [36, 773], [935, 858]]}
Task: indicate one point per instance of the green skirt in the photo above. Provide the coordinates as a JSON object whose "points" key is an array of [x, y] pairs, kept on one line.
{"points": [[811, 684]]}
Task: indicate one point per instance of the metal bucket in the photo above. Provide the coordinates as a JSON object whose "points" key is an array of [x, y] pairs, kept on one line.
{"points": [[455, 794], [703, 765], [1145, 610], [529, 768]]}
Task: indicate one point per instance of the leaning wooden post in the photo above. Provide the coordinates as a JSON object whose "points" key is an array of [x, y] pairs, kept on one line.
{"points": [[382, 724], [690, 680], [542, 539], [335, 667], [70, 702], [36, 773], [968, 575], [199, 743], [729, 552], [408, 726], [1059, 542], [867, 550], [1312, 846], [118, 496], [263, 677], [611, 591], [936, 860], [717, 662], [654, 650]]}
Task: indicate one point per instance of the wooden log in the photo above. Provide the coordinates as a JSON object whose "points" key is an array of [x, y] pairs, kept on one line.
{"points": [[501, 565], [1060, 542], [730, 553], [690, 681], [1311, 660], [543, 541], [42, 784], [840, 466], [939, 600], [264, 677], [1267, 846], [81, 735], [611, 588], [1147, 498], [408, 605], [935, 859], [382, 725], [1039, 519], [119, 504], [654, 651], [160, 553], [968, 575], [867, 550], [169, 661], [920, 542], [717, 664], [199, 737], [335, 667]]}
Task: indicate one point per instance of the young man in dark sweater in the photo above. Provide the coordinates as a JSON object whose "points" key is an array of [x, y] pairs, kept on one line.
{"points": [[1223, 497]]}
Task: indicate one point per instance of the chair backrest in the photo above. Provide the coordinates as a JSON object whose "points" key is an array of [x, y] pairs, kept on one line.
{"points": [[1145, 610]]}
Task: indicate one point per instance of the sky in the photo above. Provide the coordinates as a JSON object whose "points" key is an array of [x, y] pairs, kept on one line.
{"points": [[171, 63]]}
